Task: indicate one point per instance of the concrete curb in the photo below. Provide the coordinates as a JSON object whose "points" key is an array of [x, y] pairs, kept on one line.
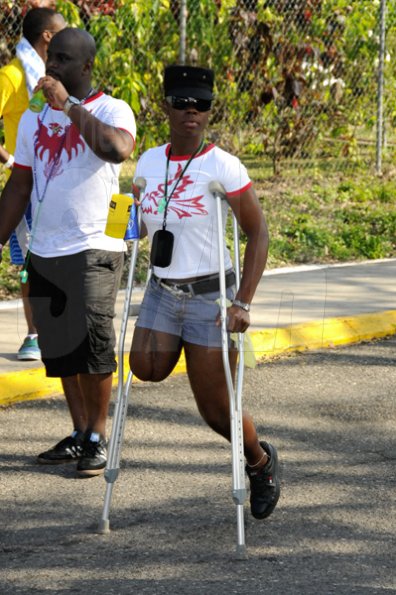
{"points": [[33, 384]]}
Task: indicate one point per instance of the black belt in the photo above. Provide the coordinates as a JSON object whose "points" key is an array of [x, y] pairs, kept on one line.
{"points": [[208, 285]]}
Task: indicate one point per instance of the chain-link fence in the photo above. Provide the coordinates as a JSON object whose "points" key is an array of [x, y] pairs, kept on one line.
{"points": [[296, 80]]}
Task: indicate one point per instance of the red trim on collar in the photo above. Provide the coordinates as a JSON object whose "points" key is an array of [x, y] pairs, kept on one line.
{"points": [[186, 157], [93, 97]]}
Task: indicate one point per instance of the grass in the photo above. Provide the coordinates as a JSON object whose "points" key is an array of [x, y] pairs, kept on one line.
{"points": [[314, 215], [327, 216]]}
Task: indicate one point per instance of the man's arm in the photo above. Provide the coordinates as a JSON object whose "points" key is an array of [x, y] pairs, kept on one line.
{"points": [[14, 201], [107, 142], [6, 96], [6, 158]]}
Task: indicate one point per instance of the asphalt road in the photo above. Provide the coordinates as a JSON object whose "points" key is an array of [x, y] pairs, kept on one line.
{"points": [[330, 413]]}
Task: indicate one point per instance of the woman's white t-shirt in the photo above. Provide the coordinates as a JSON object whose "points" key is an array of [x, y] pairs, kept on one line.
{"points": [[191, 213]]}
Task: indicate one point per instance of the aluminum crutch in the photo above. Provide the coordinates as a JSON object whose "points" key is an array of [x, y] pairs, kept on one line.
{"points": [[121, 404], [235, 394]]}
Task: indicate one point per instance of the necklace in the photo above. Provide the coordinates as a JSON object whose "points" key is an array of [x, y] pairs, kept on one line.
{"points": [[54, 162], [56, 157], [164, 202], [23, 273], [90, 92]]}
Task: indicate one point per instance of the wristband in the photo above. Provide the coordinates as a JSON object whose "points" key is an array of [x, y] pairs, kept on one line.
{"points": [[242, 305], [10, 162]]}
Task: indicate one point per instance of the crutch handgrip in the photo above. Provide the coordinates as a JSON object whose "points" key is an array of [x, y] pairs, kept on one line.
{"points": [[217, 188], [140, 185]]}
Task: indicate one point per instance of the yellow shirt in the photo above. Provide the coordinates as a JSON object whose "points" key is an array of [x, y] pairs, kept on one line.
{"points": [[14, 100]]}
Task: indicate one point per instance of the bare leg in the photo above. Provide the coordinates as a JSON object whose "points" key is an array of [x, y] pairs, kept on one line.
{"points": [[75, 402], [88, 398], [153, 354], [96, 391], [31, 329], [211, 395]]}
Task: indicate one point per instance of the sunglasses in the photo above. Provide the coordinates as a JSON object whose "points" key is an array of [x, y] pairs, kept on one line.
{"points": [[182, 103]]}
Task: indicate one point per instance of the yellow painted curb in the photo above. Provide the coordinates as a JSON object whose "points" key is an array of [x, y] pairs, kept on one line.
{"points": [[329, 332]]}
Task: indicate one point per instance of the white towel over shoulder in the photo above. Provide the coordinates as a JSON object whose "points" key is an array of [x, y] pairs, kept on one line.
{"points": [[32, 64]]}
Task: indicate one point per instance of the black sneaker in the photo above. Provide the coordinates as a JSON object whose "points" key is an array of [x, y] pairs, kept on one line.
{"points": [[264, 485], [66, 451], [94, 458]]}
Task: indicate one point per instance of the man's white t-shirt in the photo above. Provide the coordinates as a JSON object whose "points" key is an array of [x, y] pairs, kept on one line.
{"points": [[191, 213], [72, 186]]}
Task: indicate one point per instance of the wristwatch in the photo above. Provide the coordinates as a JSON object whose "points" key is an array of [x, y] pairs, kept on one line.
{"points": [[242, 305], [70, 101]]}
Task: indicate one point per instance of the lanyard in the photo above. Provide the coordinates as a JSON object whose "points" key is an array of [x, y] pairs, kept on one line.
{"points": [[56, 157], [54, 162], [164, 202], [23, 273]]}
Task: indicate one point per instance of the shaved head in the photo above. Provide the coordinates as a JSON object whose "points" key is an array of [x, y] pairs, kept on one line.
{"points": [[80, 39], [70, 59]]}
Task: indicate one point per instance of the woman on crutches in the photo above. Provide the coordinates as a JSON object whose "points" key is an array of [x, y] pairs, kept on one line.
{"points": [[180, 308]]}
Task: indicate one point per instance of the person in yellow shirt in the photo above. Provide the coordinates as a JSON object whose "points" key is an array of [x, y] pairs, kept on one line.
{"points": [[17, 81]]}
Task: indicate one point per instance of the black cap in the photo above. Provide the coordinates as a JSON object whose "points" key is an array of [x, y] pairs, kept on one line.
{"points": [[189, 81]]}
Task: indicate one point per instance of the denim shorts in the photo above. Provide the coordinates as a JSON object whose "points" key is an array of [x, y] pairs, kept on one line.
{"points": [[190, 317], [73, 305]]}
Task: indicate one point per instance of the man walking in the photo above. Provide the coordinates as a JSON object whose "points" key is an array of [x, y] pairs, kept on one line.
{"points": [[67, 161]]}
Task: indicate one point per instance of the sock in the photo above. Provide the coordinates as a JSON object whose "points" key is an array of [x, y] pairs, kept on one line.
{"points": [[94, 437]]}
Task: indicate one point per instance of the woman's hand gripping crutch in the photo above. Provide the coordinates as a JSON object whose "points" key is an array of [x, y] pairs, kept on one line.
{"points": [[235, 394], [121, 404]]}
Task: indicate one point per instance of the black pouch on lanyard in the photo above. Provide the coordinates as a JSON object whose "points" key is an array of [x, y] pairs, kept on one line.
{"points": [[162, 248]]}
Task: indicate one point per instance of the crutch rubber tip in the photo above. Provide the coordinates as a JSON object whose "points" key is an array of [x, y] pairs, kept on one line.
{"points": [[241, 552], [104, 527]]}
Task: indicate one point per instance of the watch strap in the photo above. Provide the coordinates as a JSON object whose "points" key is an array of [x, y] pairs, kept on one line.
{"points": [[70, 101], [242, 305]]}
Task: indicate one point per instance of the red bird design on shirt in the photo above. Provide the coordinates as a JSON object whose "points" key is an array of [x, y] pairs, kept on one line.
{"points": [[182, 206], [67, 139]]}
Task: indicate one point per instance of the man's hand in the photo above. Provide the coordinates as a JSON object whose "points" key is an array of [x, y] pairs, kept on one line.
{"points": [[238, 320], [54, 91]]}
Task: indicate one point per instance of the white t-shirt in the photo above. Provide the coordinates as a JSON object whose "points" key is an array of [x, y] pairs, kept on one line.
{"points": [[72, 186], [191, 215]]}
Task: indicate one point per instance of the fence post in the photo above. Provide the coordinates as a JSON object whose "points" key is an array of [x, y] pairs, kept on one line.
{"points": [[380, 92], [183, 27]]}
